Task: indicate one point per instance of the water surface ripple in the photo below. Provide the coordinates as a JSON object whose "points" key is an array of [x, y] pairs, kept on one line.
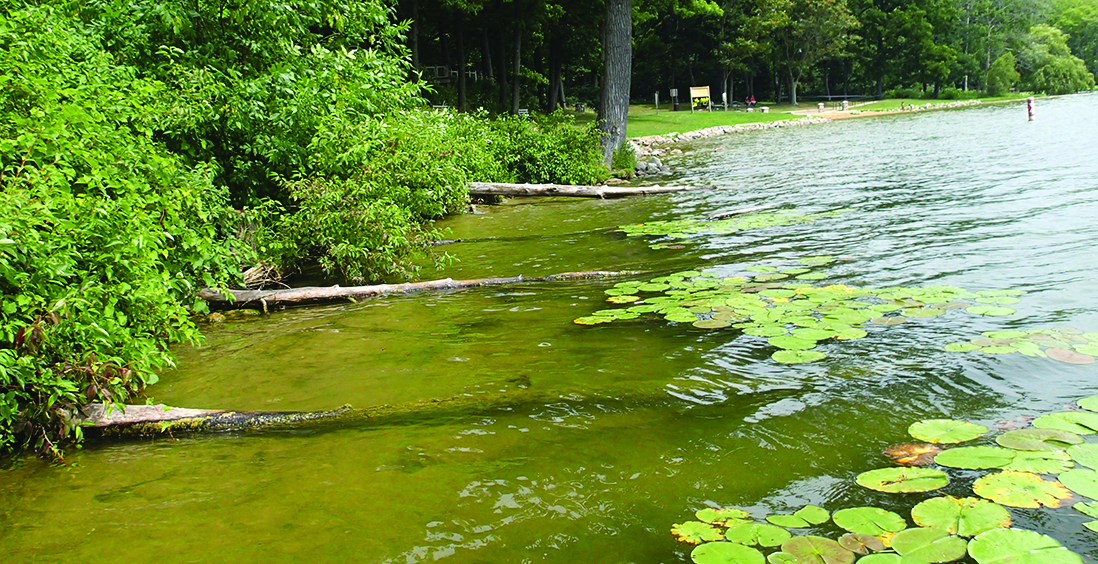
{"points": [[584, 444]]}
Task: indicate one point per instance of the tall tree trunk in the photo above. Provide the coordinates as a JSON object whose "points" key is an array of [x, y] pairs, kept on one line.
{"points": [[504, 89], [486, 54], [617, 60], [554, 79], [415, 35], [792, 88], [516, 82], [463, 93]]}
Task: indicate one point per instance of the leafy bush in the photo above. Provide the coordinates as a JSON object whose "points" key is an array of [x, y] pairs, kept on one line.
{"points": [[625, 158], [958, 94], [361, 214], [1002, 75], [103, 234]]}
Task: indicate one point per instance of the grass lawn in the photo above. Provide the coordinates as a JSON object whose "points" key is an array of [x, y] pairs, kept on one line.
{"points": [[643, 120]]}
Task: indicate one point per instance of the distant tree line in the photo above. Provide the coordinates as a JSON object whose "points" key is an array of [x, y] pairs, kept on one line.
{"points": [[506, 55]]}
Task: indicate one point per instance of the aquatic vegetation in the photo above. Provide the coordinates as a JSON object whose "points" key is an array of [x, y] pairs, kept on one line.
{"points": [[1065, 344], [678, 229], [1032, 468], [794, 315]]}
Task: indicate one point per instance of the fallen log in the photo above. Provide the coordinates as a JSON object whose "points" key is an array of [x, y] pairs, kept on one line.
{"points": [[106, 420], [502, 189], [158, 420], [265, 299]]}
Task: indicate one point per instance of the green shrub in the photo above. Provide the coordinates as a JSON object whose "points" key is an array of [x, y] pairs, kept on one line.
{"points": [[957, 94], [362, 214], [103, 234], [1002, 75], [625, 158]]}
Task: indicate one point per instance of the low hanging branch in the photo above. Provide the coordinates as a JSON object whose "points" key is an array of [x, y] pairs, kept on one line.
{"points": [[264, 299], [500, 189]]}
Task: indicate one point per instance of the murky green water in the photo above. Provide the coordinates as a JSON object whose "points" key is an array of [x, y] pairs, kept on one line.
{"points": [[584, 444]]}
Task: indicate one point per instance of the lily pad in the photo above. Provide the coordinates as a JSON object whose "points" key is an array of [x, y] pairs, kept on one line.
{"points": [[888, 320], [1040, 461], [912, 454], [903, 480], [797, 357], [726, 553], [622, 299], [781, 558], [961, 347], [592, 320], [711, 324], [1020, 489], [976, 457], [817, 550], [1069, 356], [1082, 482], [869, 520], [929, 545], [1017, 546], [945, 431], [813, 334], [921, 312], [807, 516], [884, 558], [966, 517], [990, 310], [789, 342], [1088, 509], [861, 544], [696, 532], [1085, 454], [762, 534], [1089, 404], [1038, 439], [720, 516], [765, 331]]}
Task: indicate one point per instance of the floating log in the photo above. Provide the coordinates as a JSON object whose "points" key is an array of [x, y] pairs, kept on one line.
{"points": [[501, 189], [158, 420], [264, 299], [106, 419]]}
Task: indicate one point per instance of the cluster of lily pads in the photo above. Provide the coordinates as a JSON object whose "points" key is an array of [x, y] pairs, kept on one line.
{"points": [[1066, 344], [783, 305], [945, 528], [683, 228]]}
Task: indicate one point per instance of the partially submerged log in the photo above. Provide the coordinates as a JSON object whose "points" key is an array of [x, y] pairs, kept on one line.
{"points": [[502, 189], [106, 419], [265, 299]]}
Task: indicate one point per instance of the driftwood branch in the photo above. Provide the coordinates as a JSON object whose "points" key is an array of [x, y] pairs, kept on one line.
{"points": [[265, 299], [500, 189], [104, 419]]}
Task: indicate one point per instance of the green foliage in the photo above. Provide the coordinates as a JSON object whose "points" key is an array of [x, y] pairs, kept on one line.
{"points": [[253, 83], [1002, 75], [360, 214], [625, 158], [1053, 69], [103, 233]]}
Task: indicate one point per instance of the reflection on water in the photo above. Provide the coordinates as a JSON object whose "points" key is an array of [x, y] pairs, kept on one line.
{"points": [[584, 444]]}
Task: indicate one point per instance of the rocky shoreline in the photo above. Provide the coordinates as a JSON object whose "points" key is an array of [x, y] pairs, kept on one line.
{"points": [[649, 149]]}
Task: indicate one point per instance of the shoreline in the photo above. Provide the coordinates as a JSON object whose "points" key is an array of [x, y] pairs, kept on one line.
{"points": [[653, 146]]}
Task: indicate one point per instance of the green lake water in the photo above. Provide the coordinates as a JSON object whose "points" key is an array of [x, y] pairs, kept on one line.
{"points": [[571, 443]]}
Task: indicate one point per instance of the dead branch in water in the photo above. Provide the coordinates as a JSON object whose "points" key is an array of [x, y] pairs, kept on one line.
{"points": [[265, 299], [502, 189]]}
